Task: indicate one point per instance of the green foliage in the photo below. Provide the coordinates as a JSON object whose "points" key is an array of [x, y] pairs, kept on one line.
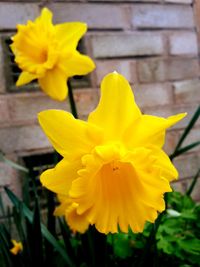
{"points": [[122, 245], [178, 149], [179, 231], [177, 238], [12, 164]]}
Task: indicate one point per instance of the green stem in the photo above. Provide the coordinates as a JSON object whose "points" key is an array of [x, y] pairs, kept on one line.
{"points": [[150, 242], [71, 100], [189, 191], [188, 129]]}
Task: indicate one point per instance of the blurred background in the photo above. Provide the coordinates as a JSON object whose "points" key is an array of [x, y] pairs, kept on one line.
{"points": [[154, 44]]}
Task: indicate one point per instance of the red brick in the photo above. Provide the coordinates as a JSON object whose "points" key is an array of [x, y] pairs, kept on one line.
{"points": [[7, 174], [127, 44], [187, 91], [4, 110], [171, 140], [187, 165], [196, 9], [193, 136], [2, 75], [124, 67], [151, 95], [162, 16], [24, 107], [184, 43], [12, 14], [196, 191], [145, 1], [166, 111], [86, 100], [20, 139], [11, 178], [179, 1], [167, 69], [95, 15], [183, 185]]}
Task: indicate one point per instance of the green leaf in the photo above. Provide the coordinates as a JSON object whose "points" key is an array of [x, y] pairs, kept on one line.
{"points": [[122, 248], [188, 129], [12, 164], [190, 245], [47, 235], [189, 215], [194, 181], [51, 225], [37, 241], [2, 209], [18, 216], [66, 237], [5, 246], [184, 149], [187, 203]]}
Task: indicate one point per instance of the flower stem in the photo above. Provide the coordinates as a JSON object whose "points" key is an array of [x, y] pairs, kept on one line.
{"points": [[194, 181], [71, 100], [150, 247]]}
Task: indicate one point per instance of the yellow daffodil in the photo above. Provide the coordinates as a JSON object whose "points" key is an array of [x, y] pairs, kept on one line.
{"points": [[114, 172], [17, 247], [48, 53]]}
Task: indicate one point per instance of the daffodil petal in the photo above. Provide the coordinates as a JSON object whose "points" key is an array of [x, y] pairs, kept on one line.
{"points": [[168, 170], [59, 179], [69, 35], [150, 130], [75, 64], [77, 222], [54, 83], [65, 203], [117, 108], [68, 208], [72, 138], [25, 77], [45, 19]]}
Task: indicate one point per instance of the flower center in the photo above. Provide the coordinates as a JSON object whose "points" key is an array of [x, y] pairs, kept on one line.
{"points": [[43, 56]]}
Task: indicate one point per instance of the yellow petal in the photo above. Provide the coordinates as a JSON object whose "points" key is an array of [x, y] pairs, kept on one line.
{"points": [[45, 20], [168, 170], [65, 203], [117, 108], [17, 247], [69, 34], [150, 130], [77, 222], [54, 84], [59, 179], [70, 137], [75, 64], [25, 77], [68, 208]]}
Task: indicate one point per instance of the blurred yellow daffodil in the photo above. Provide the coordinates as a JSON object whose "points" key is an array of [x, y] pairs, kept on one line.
{"points": [[114, 172], [17, 247], [48, 53]]}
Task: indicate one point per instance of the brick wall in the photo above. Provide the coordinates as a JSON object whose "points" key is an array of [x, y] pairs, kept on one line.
{"points": [[154, 43]]}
